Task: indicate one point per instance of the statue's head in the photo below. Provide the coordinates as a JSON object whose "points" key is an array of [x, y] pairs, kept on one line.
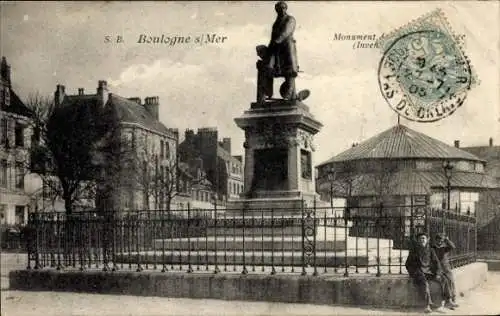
{"points": [[280, 7]]}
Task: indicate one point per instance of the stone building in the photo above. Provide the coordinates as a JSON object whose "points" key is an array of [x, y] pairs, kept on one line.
{"points": [[195, 190], [223, 171], [17, 186], [489, 201], [143, 174], [401, 166]]}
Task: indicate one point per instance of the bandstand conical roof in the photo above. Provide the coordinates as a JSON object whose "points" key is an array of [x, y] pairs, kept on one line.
{"points": [[401, 142]]}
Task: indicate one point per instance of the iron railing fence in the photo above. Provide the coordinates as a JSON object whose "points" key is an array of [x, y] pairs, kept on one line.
{"points": [[303, 240]]}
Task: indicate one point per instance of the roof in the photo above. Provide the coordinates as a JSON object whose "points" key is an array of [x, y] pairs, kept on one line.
{"points": [[401, 142], [126, 110], [487, 153], [226, 156], [492, 156], [415, 183], [132, 112], [17, 106]]}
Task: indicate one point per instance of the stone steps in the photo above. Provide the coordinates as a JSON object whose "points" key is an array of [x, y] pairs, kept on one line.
{"points": [[268, 258], [286, 243]]}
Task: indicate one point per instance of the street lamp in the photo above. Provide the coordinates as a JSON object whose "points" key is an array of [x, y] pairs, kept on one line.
{"points": [[331, 178], [448, 168]]}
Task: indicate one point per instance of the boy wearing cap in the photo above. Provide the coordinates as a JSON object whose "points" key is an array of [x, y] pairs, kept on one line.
{"points": [[423, 266], [442, 248]]}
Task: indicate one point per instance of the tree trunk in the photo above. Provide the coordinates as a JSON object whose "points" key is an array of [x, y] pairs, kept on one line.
{"points": [[68, 205]]}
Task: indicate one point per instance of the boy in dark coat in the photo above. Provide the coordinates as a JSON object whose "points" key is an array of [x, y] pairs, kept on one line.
{"points": [[423, 265], [442, 247]]}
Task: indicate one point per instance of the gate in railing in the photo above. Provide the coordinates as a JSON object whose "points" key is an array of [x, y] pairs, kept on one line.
{"points": [[308, 240]]}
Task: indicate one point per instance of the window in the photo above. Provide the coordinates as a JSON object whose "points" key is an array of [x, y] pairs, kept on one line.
{"points": [[161, 149], [3, 213], [468, 202], [424, 165], [19, 135], [464, 166], [167, 150], [479, 167], [35, 138], [19, 176], [3, 173], [20, 218], [3, 131]]}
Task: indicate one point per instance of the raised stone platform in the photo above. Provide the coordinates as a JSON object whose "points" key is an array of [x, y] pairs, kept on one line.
{"points": [[277, 257], [393, 290], [260, 242]]}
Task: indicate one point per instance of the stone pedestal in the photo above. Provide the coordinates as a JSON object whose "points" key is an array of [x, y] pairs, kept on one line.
{"points": [[279, 152]]}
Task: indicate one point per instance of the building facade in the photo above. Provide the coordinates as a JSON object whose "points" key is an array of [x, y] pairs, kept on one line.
{"points": [[223, 171], [141, 170], [489, 200], [17, 186], [403, 167]]}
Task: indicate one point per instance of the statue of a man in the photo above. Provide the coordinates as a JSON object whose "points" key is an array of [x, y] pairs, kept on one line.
{"points": [[281, 57]]}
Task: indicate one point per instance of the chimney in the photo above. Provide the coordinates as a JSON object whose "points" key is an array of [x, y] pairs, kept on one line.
{"points": [[59, 95], [136, 100], [152, 105], [188, 134], [457, 144], [175, 132], [226, 144], [5, 71], [491, 141], [80, 91], [102, 92]]}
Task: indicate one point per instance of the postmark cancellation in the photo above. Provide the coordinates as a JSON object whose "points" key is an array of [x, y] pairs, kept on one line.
{"points": [[424, 74]]}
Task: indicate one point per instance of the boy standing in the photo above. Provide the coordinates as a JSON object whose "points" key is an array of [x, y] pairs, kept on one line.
{"points": [[423, 265], [442, 247]]}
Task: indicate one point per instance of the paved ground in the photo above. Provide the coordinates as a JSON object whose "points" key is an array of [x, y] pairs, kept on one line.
{"points": [[483, 301]]}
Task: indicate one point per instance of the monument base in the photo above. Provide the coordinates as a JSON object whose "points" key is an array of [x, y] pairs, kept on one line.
{"points": [[280, 203]]}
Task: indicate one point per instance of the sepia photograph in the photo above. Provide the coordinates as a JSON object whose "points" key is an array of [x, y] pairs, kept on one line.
{"points": [[249, 158]]}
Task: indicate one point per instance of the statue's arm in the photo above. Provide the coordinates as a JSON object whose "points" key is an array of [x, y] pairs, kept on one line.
{"points": [[287, 31]]}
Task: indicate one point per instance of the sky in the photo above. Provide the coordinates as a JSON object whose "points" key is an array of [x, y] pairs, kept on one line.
{"points": [[204, 85]]}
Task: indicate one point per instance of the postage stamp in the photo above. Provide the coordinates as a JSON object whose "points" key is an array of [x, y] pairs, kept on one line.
{"points": [[424, 75]]}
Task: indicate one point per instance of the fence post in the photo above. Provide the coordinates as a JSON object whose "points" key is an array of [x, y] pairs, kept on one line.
{"points": [[190, 268], [443, 221], [378, 237], [346, 222], [315, 273], [273, 269], [163, 237], [303, 239], [412, 221], [81, 242], [216, 268], [37, 255], [59, 242], [244, 271], [29, 239], [427, 221], [138, 241]]}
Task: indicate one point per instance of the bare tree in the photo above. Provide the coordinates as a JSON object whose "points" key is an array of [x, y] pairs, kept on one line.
{"points": [[63, 143], [382, 180], [158, 179]]}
